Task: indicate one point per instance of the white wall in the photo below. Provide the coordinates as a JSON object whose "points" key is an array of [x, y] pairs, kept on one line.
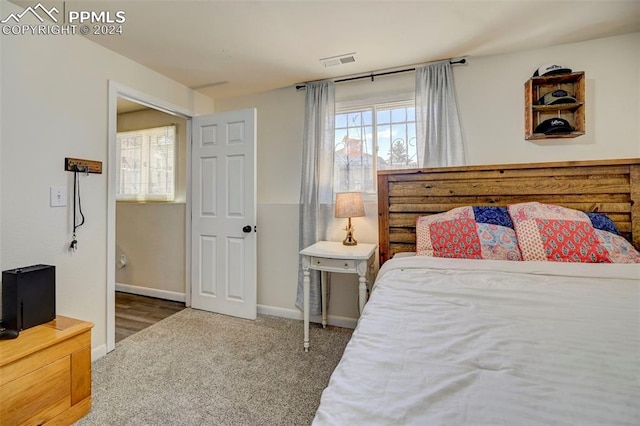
{"points": [[54, 105], [490, 93], [491, 101], [152, 237]]}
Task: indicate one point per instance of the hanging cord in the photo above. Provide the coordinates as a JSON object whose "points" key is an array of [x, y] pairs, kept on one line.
{"points": [[76, 196]]}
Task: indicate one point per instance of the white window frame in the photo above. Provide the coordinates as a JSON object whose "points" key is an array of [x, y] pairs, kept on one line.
{"points": [[402, 100], [145, 135]]}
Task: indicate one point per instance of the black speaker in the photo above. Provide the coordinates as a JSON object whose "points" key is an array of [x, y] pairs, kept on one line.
{"points": [[28, 296]]}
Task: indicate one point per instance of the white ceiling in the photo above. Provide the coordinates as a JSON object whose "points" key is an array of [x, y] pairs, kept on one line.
{"points": [[232, 48]]}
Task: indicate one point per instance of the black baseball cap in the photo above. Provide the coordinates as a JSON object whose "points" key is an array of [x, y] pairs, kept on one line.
{"points": [[557, 97], [554, 126]]}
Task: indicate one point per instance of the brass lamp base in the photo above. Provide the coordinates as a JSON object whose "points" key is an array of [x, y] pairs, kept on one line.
{"points": [[349, 240]]}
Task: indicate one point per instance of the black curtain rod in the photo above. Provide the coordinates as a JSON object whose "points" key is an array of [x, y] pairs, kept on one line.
{"points": [[373, 75]]}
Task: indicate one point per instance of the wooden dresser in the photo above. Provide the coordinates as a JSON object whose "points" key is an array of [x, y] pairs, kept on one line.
{"points": [[45, 374]]}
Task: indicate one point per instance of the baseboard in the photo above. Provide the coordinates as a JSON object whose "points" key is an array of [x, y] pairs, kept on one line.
{"points": [[151, 292], [296, 314], [99, 352]]}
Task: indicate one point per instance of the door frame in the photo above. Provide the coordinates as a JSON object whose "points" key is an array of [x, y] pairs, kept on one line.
{"points": [[117, 90]]}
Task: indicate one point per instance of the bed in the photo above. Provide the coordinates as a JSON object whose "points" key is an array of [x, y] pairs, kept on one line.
{"points": [[490, 341]]}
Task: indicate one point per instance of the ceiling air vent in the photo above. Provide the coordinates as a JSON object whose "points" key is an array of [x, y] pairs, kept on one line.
{"points": [[347, 58]]}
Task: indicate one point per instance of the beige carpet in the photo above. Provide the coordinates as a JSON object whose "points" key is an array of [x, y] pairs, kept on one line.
{"points": [[198, 368]]}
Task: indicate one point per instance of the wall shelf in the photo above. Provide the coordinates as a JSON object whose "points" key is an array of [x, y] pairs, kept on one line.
{"points": [[574, 113], [554, 108]]}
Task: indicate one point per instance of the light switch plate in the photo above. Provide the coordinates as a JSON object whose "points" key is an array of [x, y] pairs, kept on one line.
{"points": [[58, 196]]}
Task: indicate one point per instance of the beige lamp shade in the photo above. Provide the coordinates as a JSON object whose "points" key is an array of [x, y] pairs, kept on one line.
{"points": [[349, 204]]}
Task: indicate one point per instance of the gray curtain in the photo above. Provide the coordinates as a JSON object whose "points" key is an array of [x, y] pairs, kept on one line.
{"points": [[437, 123], [316, 192]]}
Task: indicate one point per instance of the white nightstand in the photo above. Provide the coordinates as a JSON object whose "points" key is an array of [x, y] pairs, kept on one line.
{"points": [[329, 256]]}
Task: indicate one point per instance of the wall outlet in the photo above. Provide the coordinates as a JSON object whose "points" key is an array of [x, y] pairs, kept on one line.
{"points": [[58, 196]]}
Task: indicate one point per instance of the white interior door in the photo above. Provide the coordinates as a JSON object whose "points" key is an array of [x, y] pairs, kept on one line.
{"points": [[223, 205]]}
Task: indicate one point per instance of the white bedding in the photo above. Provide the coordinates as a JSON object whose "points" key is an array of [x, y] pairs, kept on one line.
{"points": [[480, 342]]}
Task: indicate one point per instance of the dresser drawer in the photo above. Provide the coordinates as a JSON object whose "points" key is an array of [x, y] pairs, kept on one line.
{"points": [[43, 357], [336, 265], [37, 397]]}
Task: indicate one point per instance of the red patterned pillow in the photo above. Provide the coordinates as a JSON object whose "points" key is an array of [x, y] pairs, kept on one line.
{"points": [[456, 238], [464, 232], [449, 234], [570, 241], [554, 233]]}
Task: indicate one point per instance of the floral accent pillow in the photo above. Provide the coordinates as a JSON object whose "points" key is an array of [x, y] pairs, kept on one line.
{"points": [[498, 242], [553, 233], [467, 232], [620, 250]]}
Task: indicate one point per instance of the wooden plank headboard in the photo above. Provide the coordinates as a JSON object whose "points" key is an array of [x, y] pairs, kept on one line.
{"points": [[606, 186]]}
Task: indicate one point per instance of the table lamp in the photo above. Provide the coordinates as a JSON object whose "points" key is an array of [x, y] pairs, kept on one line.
{"points": [[349, 204]]}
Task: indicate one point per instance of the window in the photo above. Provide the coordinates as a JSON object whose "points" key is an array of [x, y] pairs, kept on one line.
{"points": [[371, 138], [146, 164]]}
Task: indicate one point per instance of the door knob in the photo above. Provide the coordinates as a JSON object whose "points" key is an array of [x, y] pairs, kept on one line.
{"points": [[246, 229]]}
